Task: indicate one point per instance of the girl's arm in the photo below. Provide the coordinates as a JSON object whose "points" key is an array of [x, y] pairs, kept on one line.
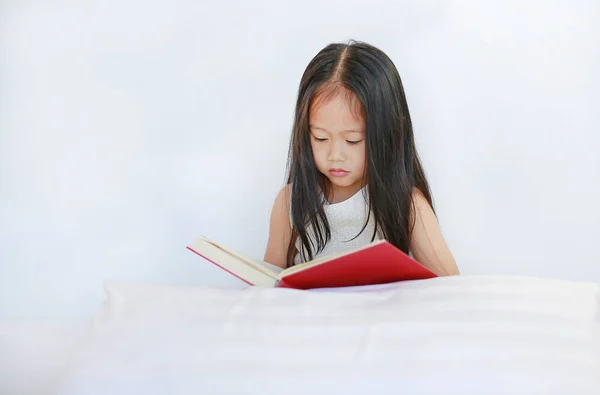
{"points": [[280, 231], [427, 242]]}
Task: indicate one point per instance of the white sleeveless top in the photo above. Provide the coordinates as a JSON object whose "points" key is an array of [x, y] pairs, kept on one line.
{"points": [[346, 219]]}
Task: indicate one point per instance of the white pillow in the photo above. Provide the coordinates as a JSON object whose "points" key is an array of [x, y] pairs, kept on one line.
{"points": [[457, 335]]}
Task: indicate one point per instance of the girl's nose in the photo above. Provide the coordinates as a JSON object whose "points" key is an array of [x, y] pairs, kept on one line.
{"points": [[336, 152]]}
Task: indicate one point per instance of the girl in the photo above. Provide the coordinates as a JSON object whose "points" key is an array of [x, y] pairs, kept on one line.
{"points": [[354, 174]]}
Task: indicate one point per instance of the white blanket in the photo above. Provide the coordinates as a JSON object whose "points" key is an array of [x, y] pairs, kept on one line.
{"points": [[458, 335]]}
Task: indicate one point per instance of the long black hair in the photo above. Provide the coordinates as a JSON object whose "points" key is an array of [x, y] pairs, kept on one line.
{"points": [[393, 168]]}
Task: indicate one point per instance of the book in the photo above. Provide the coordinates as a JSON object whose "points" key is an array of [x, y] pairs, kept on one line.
{"points": [[378, 262]]}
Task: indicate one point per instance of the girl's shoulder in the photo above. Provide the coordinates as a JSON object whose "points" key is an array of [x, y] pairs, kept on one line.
{"points": [[282, 204], [284, 195]]}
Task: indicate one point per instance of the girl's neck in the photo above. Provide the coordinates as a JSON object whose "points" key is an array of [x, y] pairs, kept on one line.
{"points": [[339, 194]]}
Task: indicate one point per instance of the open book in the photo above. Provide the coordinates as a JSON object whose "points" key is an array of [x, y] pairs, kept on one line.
{"points": [[376, 263]]}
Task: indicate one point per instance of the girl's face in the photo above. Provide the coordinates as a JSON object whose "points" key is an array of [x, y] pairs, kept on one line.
{"points": [[338, 144]]}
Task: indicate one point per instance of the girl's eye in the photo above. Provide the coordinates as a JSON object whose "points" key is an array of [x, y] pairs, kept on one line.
{"points": [[353, 142], [318, 139]]}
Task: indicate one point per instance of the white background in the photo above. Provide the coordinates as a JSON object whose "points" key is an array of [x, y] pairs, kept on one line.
{"points": [[128, 128]]}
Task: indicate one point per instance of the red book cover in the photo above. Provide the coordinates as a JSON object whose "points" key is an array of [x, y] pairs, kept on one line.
{"points": [[378, 264]]}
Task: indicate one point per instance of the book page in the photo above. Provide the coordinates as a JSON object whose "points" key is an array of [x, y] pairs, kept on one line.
{"points": [[264, 267], [247, 272], [272, 269]]}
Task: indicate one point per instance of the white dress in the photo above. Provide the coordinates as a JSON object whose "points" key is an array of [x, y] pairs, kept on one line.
{"points": [[346, 219]]}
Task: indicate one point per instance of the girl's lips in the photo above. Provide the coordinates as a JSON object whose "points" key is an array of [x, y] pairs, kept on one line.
{"points": [[338, 172]]}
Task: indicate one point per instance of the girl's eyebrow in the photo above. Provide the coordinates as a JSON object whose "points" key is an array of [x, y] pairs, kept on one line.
{"points": [[343, 131]]}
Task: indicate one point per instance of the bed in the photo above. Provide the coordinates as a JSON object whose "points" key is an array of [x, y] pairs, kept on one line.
{"points": [[453, 335]]}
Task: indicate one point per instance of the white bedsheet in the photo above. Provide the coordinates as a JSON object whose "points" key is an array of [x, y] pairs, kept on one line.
{"points": [[459, 335], [33, 353]]}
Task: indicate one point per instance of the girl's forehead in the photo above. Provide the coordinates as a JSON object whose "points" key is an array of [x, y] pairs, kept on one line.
{"points": [[341, 111]]}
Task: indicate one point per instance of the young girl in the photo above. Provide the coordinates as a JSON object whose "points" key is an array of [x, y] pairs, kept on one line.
{"points": [[354, 172]]}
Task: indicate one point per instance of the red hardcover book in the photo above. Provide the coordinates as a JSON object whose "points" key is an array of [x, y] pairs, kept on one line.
{"points": [[376, 263]]}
